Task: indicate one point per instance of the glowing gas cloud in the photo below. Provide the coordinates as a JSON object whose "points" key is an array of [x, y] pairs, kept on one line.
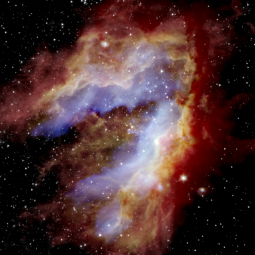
{"points": [[139, 93]]}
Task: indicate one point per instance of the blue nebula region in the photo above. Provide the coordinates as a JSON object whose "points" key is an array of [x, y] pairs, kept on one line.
{"points": [[136, 172]]}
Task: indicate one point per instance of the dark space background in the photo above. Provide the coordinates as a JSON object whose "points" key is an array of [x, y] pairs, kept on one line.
{"points": [[220, 223]]}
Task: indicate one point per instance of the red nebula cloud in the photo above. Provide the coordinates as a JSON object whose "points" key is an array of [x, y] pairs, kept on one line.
{"points": [[189, 156], [40, 74]]}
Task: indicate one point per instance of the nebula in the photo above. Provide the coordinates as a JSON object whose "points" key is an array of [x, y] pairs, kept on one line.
{"points": [[140, 97]]}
